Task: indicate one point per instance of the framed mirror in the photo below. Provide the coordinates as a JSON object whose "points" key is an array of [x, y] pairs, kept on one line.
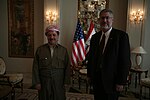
{"points": [[88, 10]]}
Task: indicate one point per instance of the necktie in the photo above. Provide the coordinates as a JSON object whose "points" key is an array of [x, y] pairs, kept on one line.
{"points": [[100, 52], [102, 43]]}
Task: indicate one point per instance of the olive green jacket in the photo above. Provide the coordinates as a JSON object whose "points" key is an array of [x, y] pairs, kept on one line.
{"points": [[43, 63]]}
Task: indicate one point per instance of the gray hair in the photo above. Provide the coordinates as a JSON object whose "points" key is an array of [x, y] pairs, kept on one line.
{"points": [[106, 10]]}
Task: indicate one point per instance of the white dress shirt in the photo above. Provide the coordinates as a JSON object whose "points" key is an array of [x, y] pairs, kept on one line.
{"points": [[106, 37]]}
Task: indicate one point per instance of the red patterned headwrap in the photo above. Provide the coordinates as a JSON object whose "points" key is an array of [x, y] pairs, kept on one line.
{"points": [[51, 28]]}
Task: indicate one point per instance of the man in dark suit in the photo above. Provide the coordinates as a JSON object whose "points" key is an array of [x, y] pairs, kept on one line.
{"points": [[108, 65]]}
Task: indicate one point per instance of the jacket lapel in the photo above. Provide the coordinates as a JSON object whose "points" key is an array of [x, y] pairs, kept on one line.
{"points": [[97, 40]]}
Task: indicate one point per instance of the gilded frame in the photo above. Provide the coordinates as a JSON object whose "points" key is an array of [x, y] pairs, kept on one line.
{"points": [[21, 28], [86, 15]]}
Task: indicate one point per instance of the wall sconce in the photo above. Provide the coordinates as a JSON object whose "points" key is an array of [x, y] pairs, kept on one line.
{"points": [[51, 17], [138, 59], [136, 16]]}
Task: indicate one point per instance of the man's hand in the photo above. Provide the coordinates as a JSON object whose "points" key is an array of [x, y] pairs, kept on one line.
{"points": [[38, 86], [119, 88], [89, 80]]}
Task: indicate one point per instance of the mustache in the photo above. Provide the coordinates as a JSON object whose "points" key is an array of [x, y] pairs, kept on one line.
{"points": [[51, 39]]}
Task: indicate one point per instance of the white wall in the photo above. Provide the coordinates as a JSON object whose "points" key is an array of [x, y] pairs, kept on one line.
{"points": [[146, 36], [68, 21], [49, 5], [135, 29], [3, 29], [119, 9], [139, 33], [67, 11]]}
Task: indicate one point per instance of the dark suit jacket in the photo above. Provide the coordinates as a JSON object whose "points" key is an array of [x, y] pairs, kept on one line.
{"points": [[116, 59]]}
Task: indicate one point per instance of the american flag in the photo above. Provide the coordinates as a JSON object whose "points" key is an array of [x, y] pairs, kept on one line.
{"points": [[91, 31], [78, 46]]}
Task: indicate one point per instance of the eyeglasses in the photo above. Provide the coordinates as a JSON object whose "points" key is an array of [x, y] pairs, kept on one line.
{"points": [[106, 17]]}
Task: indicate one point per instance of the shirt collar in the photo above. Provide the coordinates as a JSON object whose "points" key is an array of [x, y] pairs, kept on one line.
{"points": [[107, 33], [53, 46]]}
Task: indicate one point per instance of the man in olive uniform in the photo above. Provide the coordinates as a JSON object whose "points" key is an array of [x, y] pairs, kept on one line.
{"points": [[51, 67]]}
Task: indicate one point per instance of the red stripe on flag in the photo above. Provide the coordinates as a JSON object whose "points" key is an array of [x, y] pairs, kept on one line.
{"points": [[74, 55], [83, 49], [78, 47], [90, 30]]}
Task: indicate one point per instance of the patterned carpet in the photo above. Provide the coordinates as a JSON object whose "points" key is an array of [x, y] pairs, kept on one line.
{"points": [[72, 94], [30, 94]]}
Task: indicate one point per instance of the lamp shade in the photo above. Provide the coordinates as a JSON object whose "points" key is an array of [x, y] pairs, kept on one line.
{"points": [[139, 50]]}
